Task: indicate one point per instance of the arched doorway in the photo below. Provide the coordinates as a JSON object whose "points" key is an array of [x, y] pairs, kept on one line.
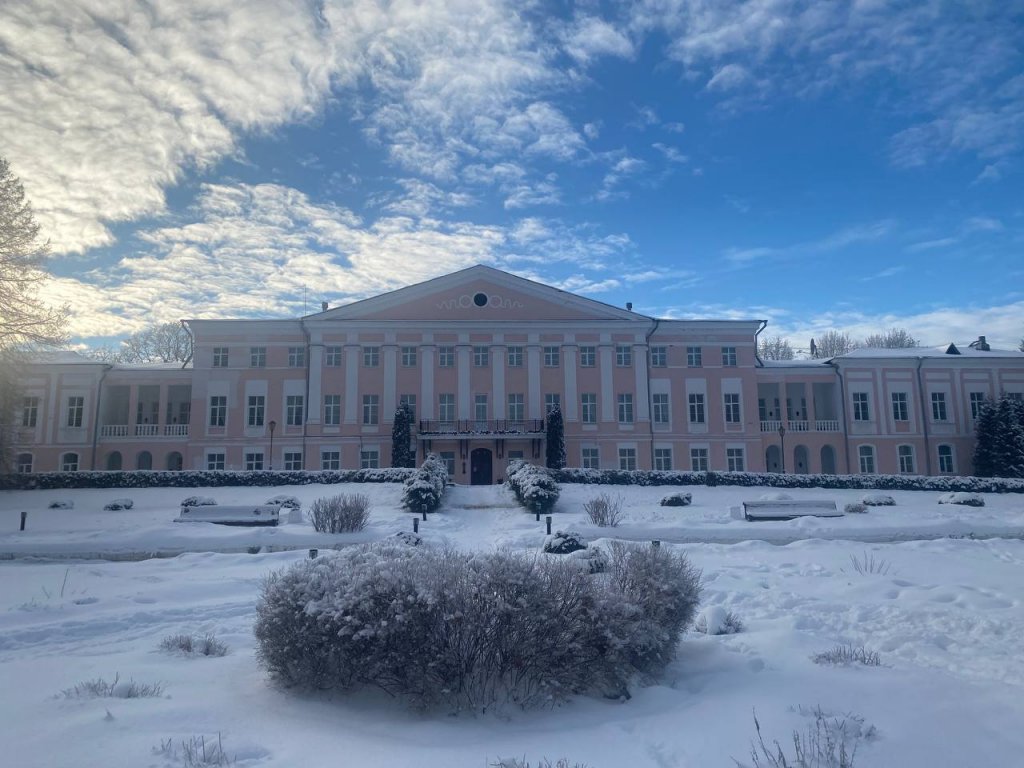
{"points": [[144, 460], [114, 461], [773, 459], [480, 467], [174, 461], [828, 460], [800, 462]]}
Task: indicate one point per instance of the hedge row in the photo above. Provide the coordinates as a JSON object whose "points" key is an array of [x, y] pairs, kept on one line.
{"points": [[776, 480], [197, 478], [534, 487]]}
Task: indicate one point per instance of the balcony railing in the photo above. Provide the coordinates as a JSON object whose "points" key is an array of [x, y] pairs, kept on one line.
{"points": [[797, 425], [175, 430], [114, 430], [800, 425], [826, 425], [770, 425], [499, 427], [147, 430]]}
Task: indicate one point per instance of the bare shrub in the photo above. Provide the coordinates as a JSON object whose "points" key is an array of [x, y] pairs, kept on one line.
{"points": [[716, 620], [101, 689], [515, 762], [845, 655], [194, 645], [604, 511], [867, 564], [345, 513], [829, 742], [855, 508], [196, 752]]}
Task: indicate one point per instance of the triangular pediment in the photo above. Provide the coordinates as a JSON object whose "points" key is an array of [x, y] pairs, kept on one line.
{"points": [[481, 294]]}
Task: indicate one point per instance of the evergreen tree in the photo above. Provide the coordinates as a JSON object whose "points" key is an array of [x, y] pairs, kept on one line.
{"points": [[555, 442], [402, 455], [999, 447], [986, 460]]}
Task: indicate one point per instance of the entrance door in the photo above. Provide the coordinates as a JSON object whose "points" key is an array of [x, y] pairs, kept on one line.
{"points": [[480, 467]]}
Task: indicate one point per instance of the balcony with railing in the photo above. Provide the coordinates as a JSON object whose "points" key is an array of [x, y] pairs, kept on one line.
{"points": [[487, 427], [143, 430], [114, 430], [800, 425]]}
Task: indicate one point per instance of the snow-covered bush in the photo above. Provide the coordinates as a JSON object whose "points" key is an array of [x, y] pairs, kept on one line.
{"points": [[877, 500], [534, 487], [716, 620], [116, 689], [966, 499], [855, 508], [845, 655], [516, 762], [564, 542], [118, 504], [285, 501], [473, 631], [831, 742], [197, 752], [425, 488], [677, 500], [408, 538], [344, 513], [198, 501], [604, 511], [590, 559], [62, 504]]}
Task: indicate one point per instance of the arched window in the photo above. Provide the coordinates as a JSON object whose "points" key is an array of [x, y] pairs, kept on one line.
{"points": [[144, 460], [114, 461], [866, 454], [24, 463], [946, 459], [69, 462], [174, 461], [905, 454]]}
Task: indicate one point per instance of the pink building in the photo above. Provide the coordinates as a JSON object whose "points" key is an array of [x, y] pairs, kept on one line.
{"points": [[481, 356]]}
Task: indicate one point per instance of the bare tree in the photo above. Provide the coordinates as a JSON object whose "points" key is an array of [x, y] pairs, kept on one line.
{"points": [[832, 343], [775, 348], [894, 338], [160, 343]]}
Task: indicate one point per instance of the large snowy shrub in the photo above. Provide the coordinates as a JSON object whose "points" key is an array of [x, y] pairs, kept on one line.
{"points": [[425, 488], [344, 513], [533, 486], [473, 631]]}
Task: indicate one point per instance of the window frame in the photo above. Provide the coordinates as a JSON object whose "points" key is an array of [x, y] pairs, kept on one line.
{"points": [[481, 356], [221, 356], [256, 410], [410, 357], [661, 412], [624, 407], [29, 412], [866, 455], [729, 357], [588, 407], [590, 457], [257, 357], [735, 459], [663, 459], [218, 411], [296, 357], [659, 356], [446, 356], [333, 356], [371, 410], [291, 464], [900, 408], [76, 412], [552, 356], [623, 356], [330, 460], [371, 356], [627, 459], [697, 406], [700, 459], [861, 406], [332, 410], [514, 356], [940, 411], [905, 459], [295, 410], [588, 356], [216, 461], [731, 408], [694, 357]]}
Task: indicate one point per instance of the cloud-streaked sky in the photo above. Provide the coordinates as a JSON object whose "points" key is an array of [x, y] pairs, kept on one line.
{"points": [[850, 164]]}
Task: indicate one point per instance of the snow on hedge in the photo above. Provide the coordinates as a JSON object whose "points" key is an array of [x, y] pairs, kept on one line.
{"points": [[534, 487], [425, 488]]}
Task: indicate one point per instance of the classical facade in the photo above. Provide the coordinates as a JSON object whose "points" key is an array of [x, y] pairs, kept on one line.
{"points": [[481, 356]]}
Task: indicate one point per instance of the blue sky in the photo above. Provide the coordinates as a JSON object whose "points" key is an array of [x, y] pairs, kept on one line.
{"points": [[846, 165]]}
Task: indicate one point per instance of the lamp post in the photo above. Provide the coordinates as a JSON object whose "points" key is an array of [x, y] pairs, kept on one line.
{"points": [[781, 444], [273, 426]]}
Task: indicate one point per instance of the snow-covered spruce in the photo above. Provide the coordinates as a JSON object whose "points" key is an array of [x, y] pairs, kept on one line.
{"points": [[424, 490], [534, 487], [966, 499], [716, 620], [198, 501], [877, 500], [410, 620], [677, 500], [564, 542]]}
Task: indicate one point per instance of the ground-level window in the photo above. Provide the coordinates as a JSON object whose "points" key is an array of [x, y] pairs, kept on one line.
{"points": [[330, 460], [215, 461], [448, 457], [513, 455], [663, 459], [699, 459], [866, 455], [591, 458], [69, 462], [253, 460], [24, 463], [734, 460], [905, 453], [369, 458], [627, 458], [946, 459]]}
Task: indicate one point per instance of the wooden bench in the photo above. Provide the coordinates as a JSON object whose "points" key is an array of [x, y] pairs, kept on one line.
{"points": [[788, 509], [252, 514]]}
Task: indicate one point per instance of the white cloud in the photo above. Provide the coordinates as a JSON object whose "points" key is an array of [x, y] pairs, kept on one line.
{"points": [[728, 78], [590, 37]]}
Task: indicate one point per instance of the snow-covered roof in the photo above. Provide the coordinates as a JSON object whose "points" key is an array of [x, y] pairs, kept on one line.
{"points": [[912, 353], [63, 357]]}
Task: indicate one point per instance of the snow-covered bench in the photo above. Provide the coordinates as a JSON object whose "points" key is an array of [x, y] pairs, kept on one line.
{"points": [[787, 509], [251, 514]]}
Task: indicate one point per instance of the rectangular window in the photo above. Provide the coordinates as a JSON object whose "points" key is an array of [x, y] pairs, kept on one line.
{"points": [[257, 406], [408, 357], [625, 403], [332, 410], [220, 357], [550, 357], [552, 400], [861, 409], [866, 455], [591, 458], [332, 357], [939, 406], [481, 357], [899, 406], [659, 409], [734, 461], [409, 401], [515, 455], [731, 402], [480, 407], [371, 357], [663, 459], [253, 461], [627, 458], [446, 357], [257, 357], [659, 357], [215, 461], [69, 462], [977, 400], [294, 408], [296, 357], [446, 407], [330, 460], [23, 465], [515, 357], [218, 410], [516, 410], [699, 459], [293, 461], [588, 357], [905, 454], [76, 410], [29, 411], [371, 409], [694, 357], [946, 459], [448, 457], [696, 401], [623, 355], [729, 357], [369, 458], [588, 407]]}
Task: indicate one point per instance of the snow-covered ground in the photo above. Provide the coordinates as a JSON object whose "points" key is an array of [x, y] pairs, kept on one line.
{"points": [[945, 615]]}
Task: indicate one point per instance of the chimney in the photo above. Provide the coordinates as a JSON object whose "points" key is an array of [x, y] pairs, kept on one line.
{"points": [[323, 306], [983, 345], [629, 306]]}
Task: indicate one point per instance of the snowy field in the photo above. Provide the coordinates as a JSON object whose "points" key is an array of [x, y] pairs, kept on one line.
{"points": [[943, 611]]}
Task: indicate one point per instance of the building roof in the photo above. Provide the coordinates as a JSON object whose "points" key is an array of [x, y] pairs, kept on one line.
{"points": [[912, 353]]}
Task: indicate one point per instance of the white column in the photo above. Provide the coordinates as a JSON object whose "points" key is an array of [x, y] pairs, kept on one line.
{"points": [[498, 407], [351, 396], [425, 409], [390, 369], [463, 361], [570, 408], [316, 374], [643, 397], [606, 364], [534, 406]]}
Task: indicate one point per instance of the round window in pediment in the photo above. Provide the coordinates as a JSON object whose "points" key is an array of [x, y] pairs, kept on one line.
{"points": [[480, 299]]}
